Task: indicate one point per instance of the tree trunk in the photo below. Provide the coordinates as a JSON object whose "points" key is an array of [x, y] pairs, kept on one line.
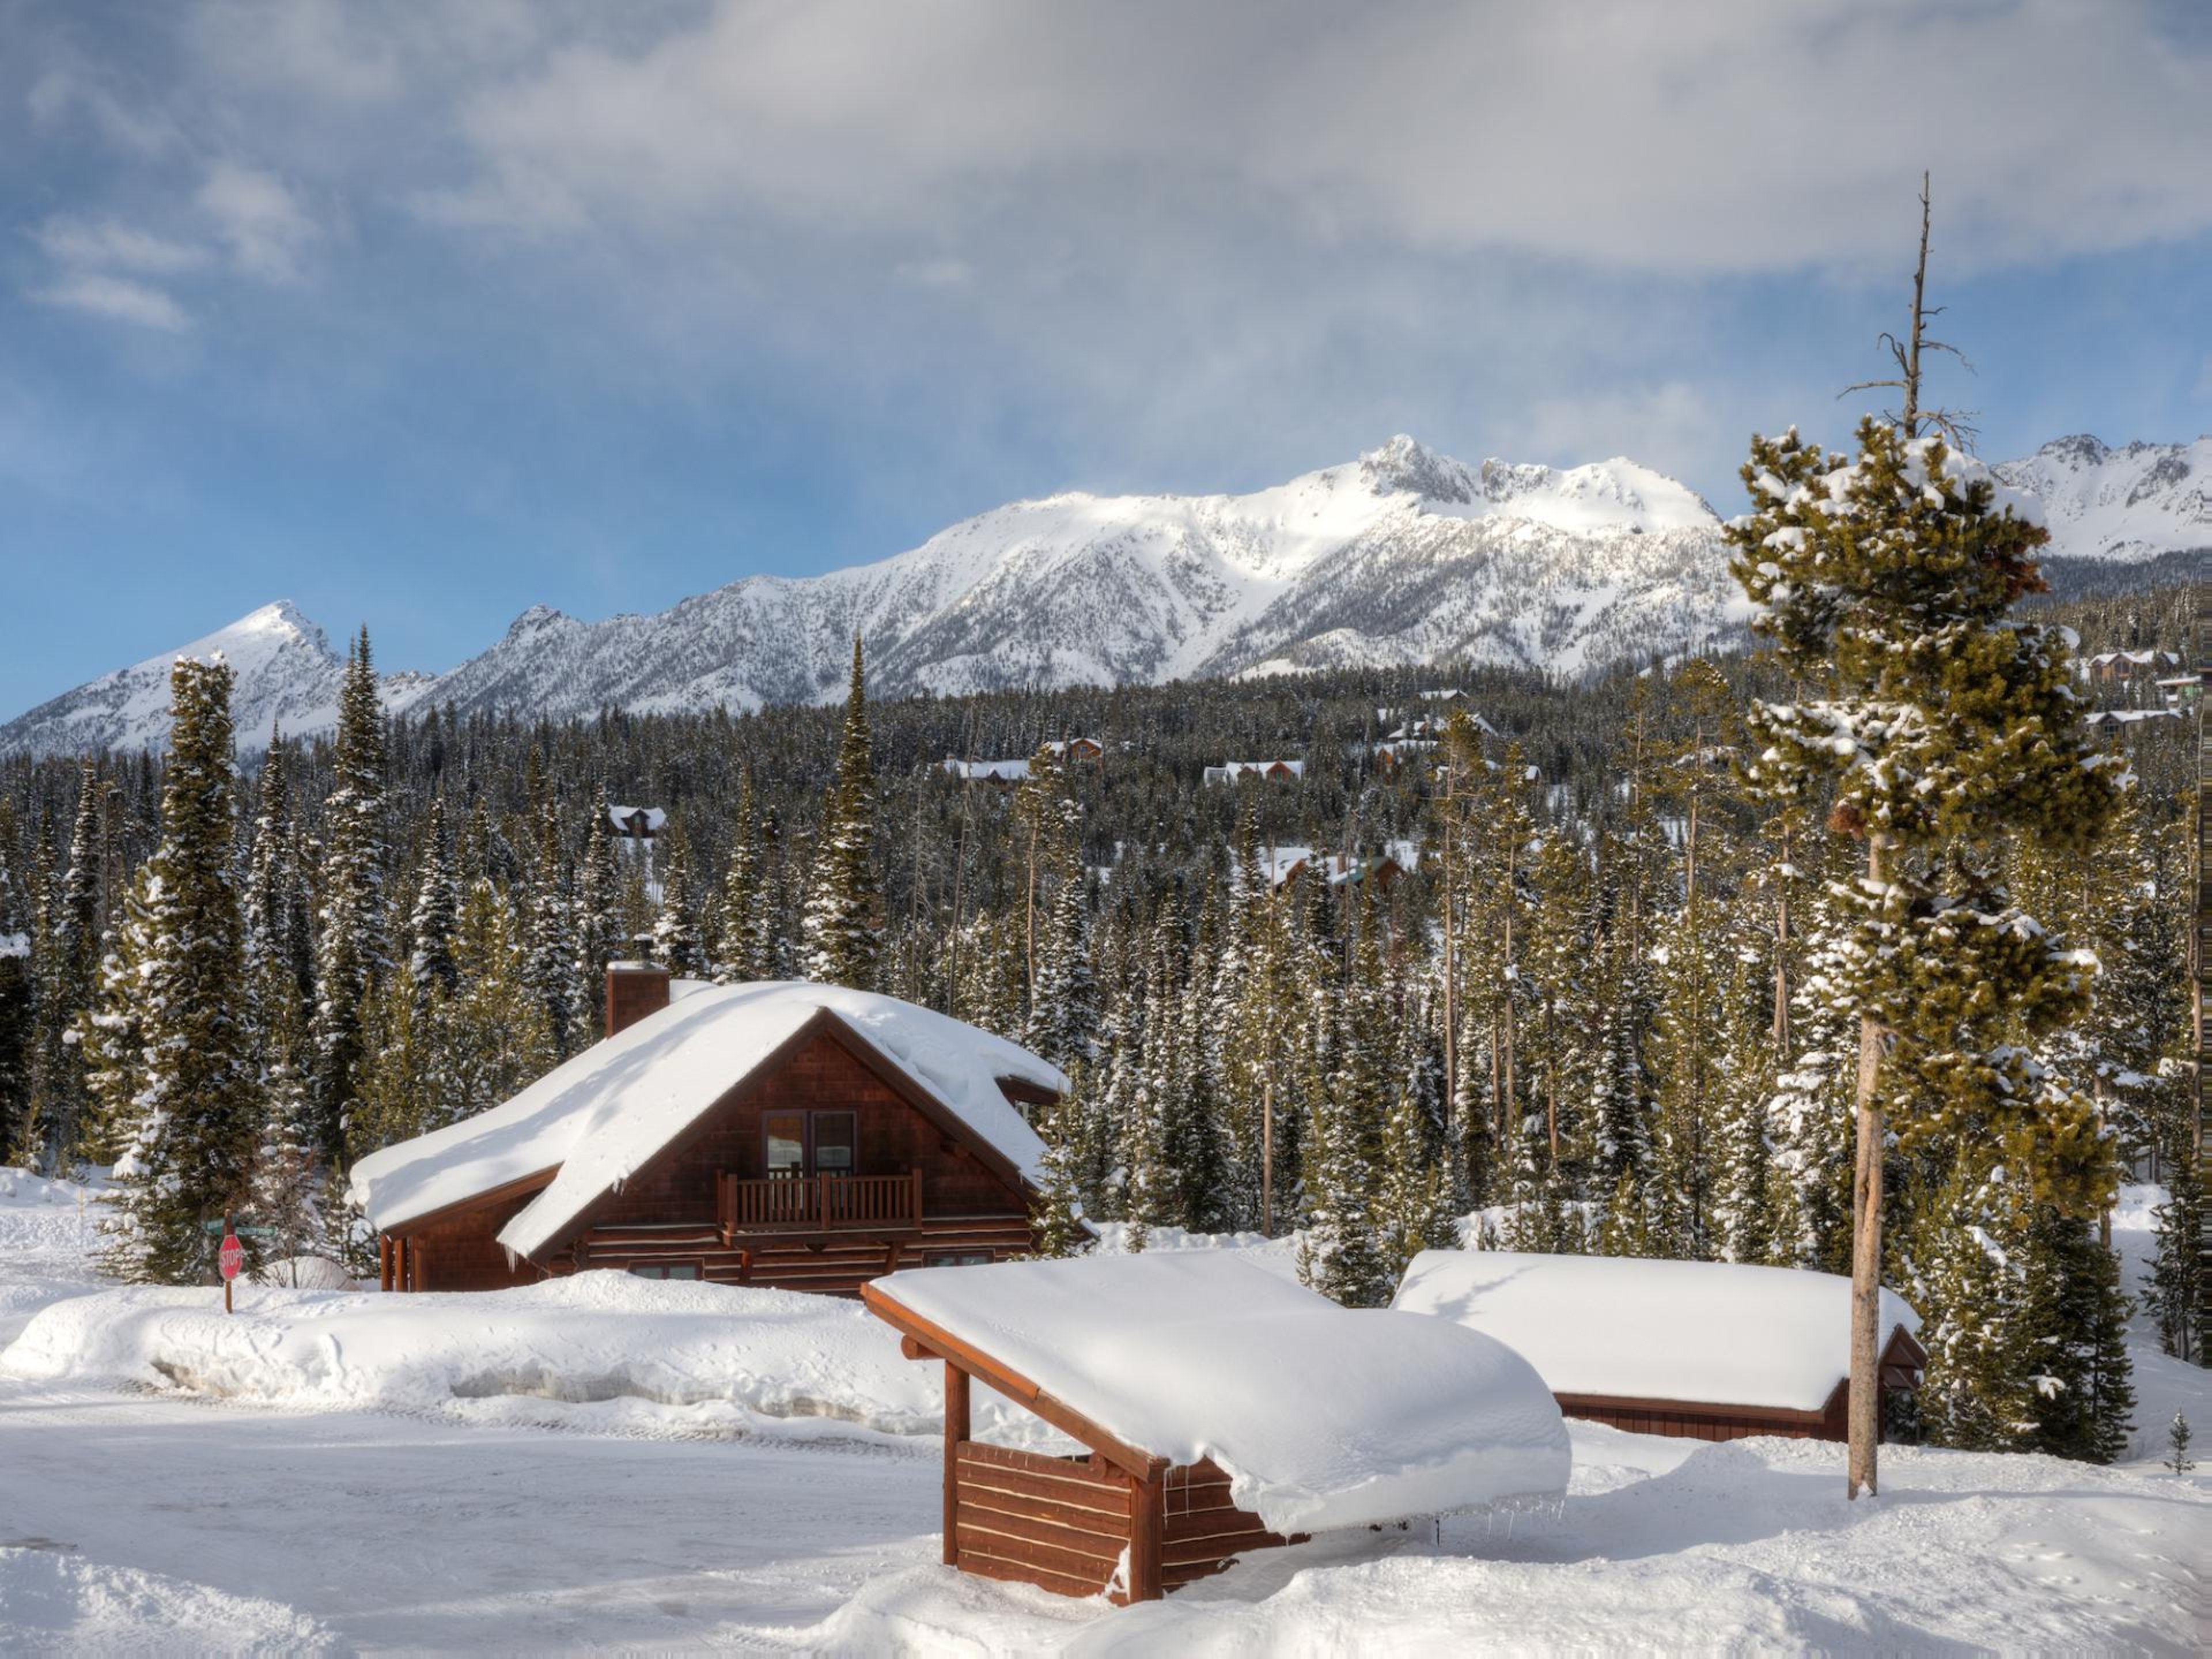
{"points": [[1864, 1417]]}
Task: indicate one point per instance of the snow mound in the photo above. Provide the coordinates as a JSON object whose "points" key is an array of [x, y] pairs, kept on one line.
{"points": [[680, 1358], [1324, 1416], [52, 1602], [1715, 1331]]}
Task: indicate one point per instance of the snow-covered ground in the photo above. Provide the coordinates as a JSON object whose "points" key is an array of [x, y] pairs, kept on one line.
{"points": [[766, 1477]]}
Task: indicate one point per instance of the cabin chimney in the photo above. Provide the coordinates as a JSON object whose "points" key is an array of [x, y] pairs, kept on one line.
{"points": [[635, 989]]}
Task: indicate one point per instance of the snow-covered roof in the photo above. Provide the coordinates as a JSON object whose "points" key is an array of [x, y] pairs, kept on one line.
{"points": [[1324, 1416], [594, 1120], [15, 945], [1714, 1333], [656, 819], [988, 771], [2128, 716], [1233, 771]]}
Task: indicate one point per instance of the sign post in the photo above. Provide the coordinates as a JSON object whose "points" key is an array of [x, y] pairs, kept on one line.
{"points": [[230, 1258]]}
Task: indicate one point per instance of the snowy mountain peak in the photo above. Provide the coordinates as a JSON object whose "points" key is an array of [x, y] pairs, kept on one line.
{"points": [[2135, 502], [1406, 466], [1402, 555]]}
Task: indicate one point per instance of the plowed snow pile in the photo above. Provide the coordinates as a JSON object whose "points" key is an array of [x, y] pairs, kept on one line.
{"points": [[668, 1357]]}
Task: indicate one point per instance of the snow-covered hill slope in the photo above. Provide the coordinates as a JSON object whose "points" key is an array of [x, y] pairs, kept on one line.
{"points": [[2122, 505], [1404, 555]]}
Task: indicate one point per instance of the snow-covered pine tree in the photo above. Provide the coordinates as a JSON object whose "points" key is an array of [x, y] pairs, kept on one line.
{"points": [[739, 957], [431, 970], [282, 1195], [355, 947], [1340, 1255], [492, 1039], [66, 970], [112, 1033], [15, 1005], [598, 919], [2073, 1322], [677, 945], [1058, 1211], [550, 969], [1885, 581], [192, 1136], [842, 923]]}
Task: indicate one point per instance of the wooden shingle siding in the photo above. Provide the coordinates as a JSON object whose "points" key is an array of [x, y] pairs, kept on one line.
{"points": [[1058, 1522]]}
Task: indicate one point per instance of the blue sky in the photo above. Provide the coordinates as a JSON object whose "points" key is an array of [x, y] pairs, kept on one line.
{"points": [[420, 315]]}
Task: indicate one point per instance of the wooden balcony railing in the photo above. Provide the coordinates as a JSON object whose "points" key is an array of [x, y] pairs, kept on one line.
{"points": [[821, 1204]]}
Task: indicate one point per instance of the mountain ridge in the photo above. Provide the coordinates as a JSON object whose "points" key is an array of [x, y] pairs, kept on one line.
{"points": [[1402, 554]]}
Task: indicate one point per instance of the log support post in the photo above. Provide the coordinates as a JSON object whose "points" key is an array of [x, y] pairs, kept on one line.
{"points": [[383, 1261], [956, 1435], [1147, 1528]]}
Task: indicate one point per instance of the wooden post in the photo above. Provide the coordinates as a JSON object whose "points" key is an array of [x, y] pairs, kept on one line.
{"points": [[1147, 1524], [383, 1261], [915, 1211], [956, 1434]]}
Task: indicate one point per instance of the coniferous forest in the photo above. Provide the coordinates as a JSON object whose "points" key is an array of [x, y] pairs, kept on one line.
{"points": [[1570, 960]]}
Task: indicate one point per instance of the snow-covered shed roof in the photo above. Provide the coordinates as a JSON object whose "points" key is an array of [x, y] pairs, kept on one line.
{"points": [[594, 1120], [1705, 1333], [1323, 1416]]}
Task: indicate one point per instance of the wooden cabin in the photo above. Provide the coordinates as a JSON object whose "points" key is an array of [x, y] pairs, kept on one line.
{"points": [[1693, 1350], [1077, 749], [637, 824], [803, 1137], [1270, 771], [1213, 1408]]}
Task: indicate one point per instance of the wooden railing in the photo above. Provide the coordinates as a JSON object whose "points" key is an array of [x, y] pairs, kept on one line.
{"points": [[810, 1204]]}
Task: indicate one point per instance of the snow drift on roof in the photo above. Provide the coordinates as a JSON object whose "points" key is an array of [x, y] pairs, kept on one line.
{"points": [[600, 1116], [1713, 1332], [1324, 1416]]}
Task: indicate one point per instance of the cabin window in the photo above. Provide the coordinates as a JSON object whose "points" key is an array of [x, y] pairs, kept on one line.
{"points": [[810, 1143], [665, 1270], [958, 1259], [786, 1142], [835, 1135]]}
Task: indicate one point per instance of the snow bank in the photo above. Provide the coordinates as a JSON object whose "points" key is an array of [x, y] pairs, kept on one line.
{"points": [[709, 1355], [53, 1602], [1324, 1416], [1709, 1331], [593, 1122]]}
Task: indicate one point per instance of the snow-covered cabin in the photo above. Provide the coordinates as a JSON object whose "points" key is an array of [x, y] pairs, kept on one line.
{"points": [[1273, 771], [637, 824], [2127, 720], [1286, 865], [1221, 1409], [2119, 667], [801, 1136], [1077, 749], [1701, 1350], [1005, 772]]}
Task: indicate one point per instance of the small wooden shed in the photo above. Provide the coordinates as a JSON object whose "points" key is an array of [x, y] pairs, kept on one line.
{"points": [[1693, 1350], [1218, 1408]]}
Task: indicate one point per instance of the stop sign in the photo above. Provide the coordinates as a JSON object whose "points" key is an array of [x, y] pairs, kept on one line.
{"points": [[232, 1256]]}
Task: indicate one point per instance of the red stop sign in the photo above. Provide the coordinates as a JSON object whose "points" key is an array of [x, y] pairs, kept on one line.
{"points": [[232, 1256]]}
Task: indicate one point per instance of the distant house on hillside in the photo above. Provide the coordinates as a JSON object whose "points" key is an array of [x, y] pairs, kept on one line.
{"points": [[637, 824], [1006, 773], [1077, 749], [1271, 771], [2123, 667], [800, 1136], [2128, 722], [1285, 865], [1700, 1349]]}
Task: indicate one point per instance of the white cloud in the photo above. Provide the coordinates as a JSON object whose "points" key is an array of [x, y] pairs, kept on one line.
{"points": [[942, 272], [118, 299], [258, 219], [1683, 140], [111, 244]]}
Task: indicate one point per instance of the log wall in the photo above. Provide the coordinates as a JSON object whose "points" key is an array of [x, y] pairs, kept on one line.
{"points": [[1063, 1523]]}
